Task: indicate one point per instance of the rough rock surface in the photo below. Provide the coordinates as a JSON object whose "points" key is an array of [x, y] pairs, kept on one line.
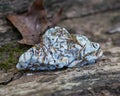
{"points": [[59, 49]]}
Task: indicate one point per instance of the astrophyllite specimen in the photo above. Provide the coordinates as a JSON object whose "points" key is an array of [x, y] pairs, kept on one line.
{"points": [[59, 49]]}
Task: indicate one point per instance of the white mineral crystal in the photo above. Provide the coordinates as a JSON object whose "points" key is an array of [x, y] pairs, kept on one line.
{"points": [[59, 49]]}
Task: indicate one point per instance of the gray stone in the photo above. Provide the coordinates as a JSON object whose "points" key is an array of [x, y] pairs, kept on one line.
{"points": [[60, 49]]}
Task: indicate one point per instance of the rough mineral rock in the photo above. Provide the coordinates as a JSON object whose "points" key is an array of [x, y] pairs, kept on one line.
{"points": [[60, 49]]}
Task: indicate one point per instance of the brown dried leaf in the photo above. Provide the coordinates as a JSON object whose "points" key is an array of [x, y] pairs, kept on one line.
{"points": [[57, 17], [33, 23]]}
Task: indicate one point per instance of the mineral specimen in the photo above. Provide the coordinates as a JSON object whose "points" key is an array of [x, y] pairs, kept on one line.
{"points": [[59, 49]]}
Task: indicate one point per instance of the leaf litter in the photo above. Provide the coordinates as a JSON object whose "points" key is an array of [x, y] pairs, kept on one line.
{"points": [[34, 23]]}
